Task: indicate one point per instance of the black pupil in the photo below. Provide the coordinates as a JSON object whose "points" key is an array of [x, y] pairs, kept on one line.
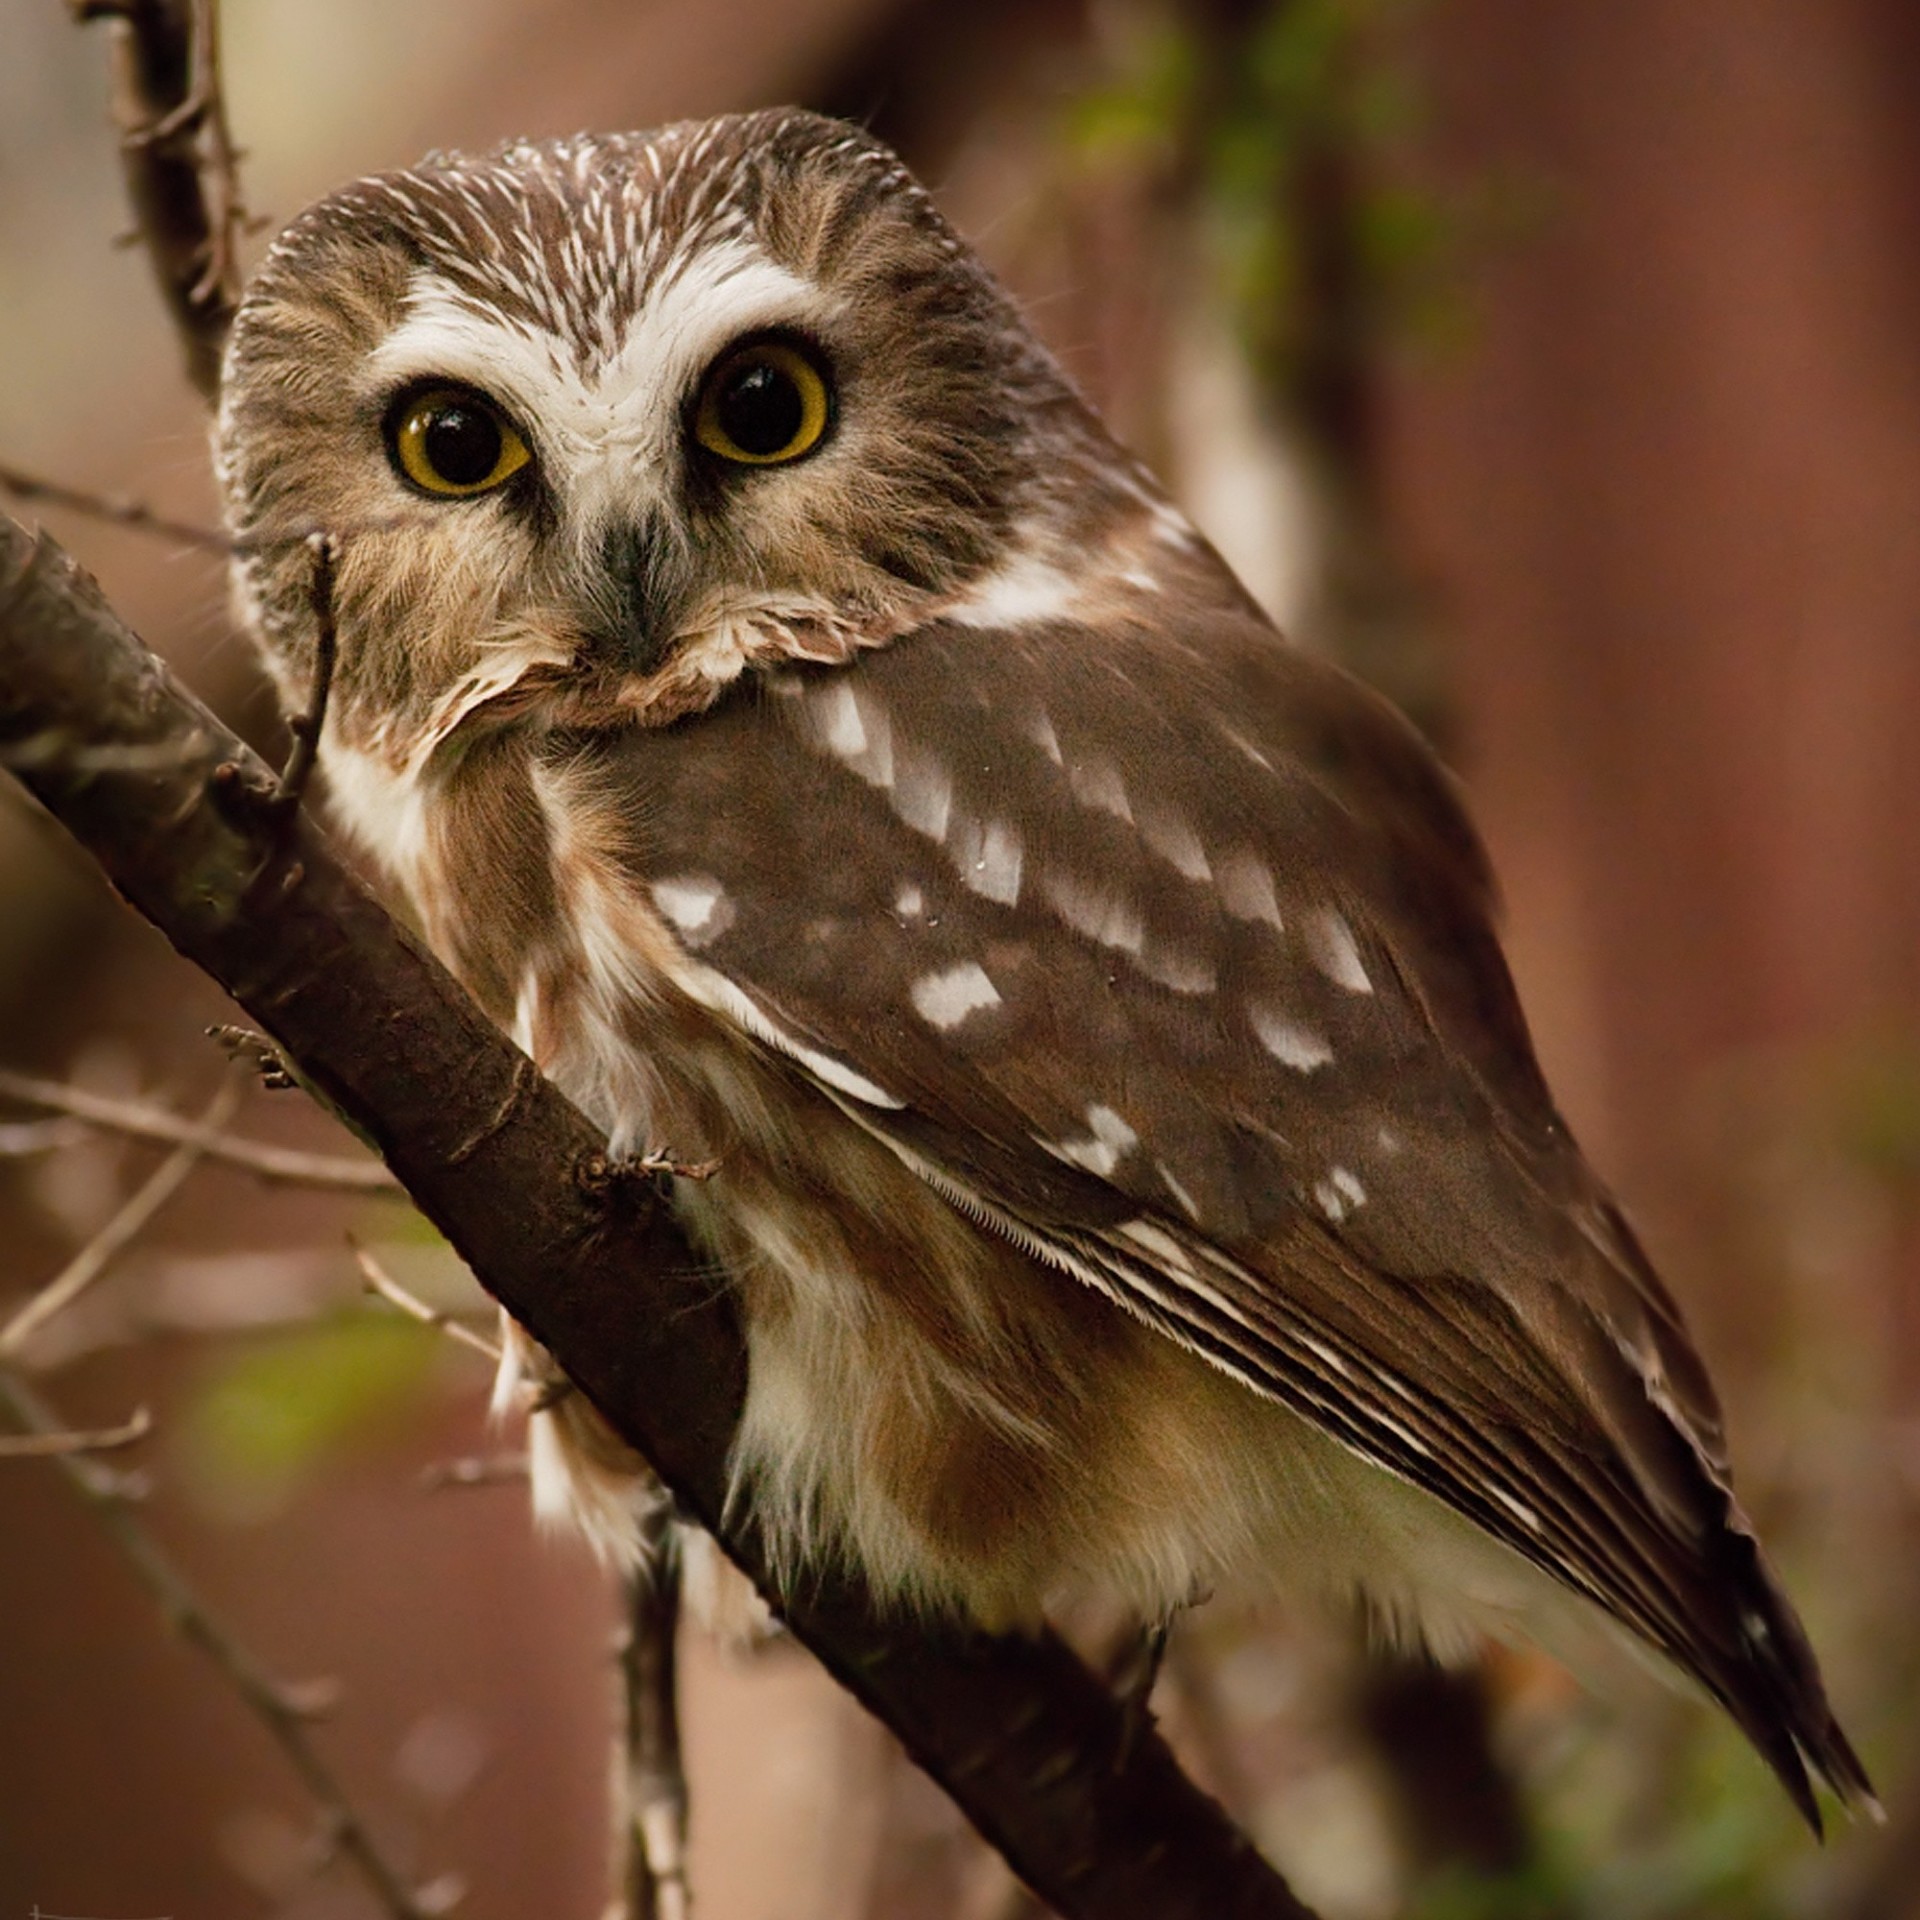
{"points": [[461, 443], [760, 409]]}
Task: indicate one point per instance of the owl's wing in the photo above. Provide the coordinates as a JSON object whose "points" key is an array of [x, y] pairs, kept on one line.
{"points": [[1171, 955]]}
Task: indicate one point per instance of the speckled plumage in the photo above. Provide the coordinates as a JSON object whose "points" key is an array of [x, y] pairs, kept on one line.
{"points": [[1133, 1170]]}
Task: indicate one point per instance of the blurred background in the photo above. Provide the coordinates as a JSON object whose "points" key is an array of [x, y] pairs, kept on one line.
{"points": [[1556, 366]]}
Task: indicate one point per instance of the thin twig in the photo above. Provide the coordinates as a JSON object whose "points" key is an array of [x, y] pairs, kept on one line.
{"points": [[285, 1166], [105, 1247], [47, 1446], [111, 507], [485, 1470], [650, 1781], [307, 727], [380, 1281], [284, 1712]]}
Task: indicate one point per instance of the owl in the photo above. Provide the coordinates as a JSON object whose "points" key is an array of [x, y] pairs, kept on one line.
{"points": [[832, 758]]}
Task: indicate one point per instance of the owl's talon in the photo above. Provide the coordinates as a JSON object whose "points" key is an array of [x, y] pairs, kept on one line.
{"points": [[243, 1045], [604, 1174]]}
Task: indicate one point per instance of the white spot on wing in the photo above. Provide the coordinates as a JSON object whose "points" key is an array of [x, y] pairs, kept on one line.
{"points": [[922, 794], [1097, 783], [1101, 916], [1290, 1043], [838, 713], [989, 860], [696, 904], [1040, 732], [909, 903], [1106, 1143], [1157, 1241], [1339, 1193], [945, 999], [1175, 842], [1177, 969], [1331, 944], [1246, 887]]}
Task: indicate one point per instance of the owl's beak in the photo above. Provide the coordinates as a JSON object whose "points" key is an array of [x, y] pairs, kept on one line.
{"points": [[629, 624]]}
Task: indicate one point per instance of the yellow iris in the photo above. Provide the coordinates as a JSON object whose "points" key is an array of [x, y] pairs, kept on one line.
{"points": [[454, 442], [762, 405]]}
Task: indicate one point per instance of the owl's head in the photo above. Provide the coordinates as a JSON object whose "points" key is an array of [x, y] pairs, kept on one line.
{"points": [[603, 423]]}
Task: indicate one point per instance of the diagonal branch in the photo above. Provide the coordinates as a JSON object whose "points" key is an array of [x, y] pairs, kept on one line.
{"points": [[1032, 1747]]}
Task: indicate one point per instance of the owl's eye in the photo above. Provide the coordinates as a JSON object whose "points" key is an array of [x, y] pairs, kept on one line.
{"points": [[762, 405], [452, 442]]}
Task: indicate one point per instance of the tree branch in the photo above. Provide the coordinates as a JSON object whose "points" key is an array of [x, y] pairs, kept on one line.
{"points": [[178, 159], [166, 799]]}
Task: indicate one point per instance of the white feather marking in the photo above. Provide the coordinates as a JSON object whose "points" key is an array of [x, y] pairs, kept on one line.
{"points": [[1040, 732], [909, 903], [1332, 947], [697, 905], [1339, 1194], [990, 862], [719, 994], [1104, 917], [1171, 1181], [922, 794], [1157, 1241], [1100, 1150], [1177, 969], [945, 999], [1027, 591], [1175, 841], [1097, 783], [1290, 1043], [1246, 887], [838, 714]]}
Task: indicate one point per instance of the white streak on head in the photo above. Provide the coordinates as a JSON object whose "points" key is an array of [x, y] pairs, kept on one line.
{"points": [[696, 904], [1246, 887], [1292, 1045], [945, 999], [1027, 591], [1174, 840], [1331, 945], [1097, 783], [1105, 917], [1107, 1142]]}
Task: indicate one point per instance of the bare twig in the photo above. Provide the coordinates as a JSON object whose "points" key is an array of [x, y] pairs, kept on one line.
{"points": [[1022, 1736], [178, 159], [106, 1246], [306, 727], [650, 1781], [484, 1470], [111, 507], [380, 1281], [46, 1446], [284, 1712], [284, 1166], [23, 1139]]}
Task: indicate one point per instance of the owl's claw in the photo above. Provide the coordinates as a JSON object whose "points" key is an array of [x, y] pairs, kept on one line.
{"points": [[607, 1173]]}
